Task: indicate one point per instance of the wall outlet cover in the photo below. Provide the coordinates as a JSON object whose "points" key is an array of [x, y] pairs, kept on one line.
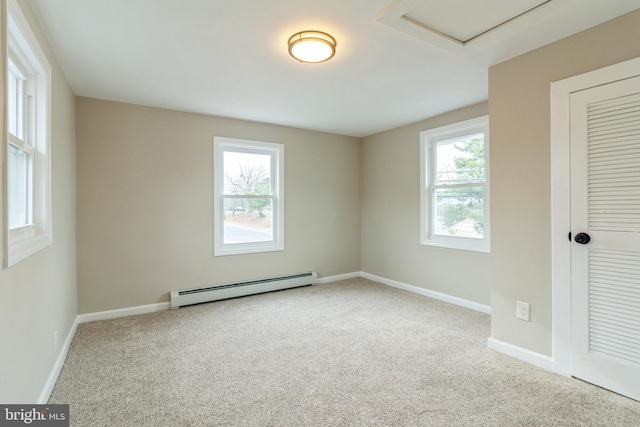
{"points": [[522, 310]]}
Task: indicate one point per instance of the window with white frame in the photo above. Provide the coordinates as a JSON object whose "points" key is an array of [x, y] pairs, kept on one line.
{"points": [[248, 196], [28, 85], [454, 198]]}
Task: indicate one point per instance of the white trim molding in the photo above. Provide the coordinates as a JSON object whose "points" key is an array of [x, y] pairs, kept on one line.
{"points": [[45, 394], [537, 359], [22, 242], [561, 196], [122, 312], [397, 16], [337, 278], [430, 142], [429, 293], [151, 308], [222, 194]]}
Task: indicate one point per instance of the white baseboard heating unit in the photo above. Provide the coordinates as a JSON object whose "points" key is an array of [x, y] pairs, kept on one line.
{"points": [[232, 290]]}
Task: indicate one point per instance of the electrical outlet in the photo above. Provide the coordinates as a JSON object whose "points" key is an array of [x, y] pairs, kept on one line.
{"points": [[55, 342], [522, 310]]}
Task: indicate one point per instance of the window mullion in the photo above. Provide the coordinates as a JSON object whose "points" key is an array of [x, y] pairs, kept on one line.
{"points": [[17, 142], [462, 185], [248, 196]]}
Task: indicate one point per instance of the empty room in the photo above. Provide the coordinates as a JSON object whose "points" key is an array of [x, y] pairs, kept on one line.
{"points": [[362, 212]]}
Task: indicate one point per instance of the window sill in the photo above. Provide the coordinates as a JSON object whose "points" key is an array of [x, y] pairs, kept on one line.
{"points": [[23, 247], [461, 244], [247, 248]]}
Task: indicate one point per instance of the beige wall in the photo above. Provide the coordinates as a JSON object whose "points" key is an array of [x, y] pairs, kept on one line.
{"points": [[144, 183], [145, 224], [391, 217], [519, 91], [39, 293]]}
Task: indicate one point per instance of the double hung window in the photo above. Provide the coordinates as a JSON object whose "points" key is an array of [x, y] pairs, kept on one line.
{"points": [[27, 203], [248, 196], [454, 188]]}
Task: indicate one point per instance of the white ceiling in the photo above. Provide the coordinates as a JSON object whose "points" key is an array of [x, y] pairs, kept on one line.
{"points": [[229, 57]]}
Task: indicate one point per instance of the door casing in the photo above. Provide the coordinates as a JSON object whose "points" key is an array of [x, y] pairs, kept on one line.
{"points": [[561, 200]]}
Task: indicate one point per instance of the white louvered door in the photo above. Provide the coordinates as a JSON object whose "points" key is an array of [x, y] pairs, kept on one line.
{"points": [[605, 205]]}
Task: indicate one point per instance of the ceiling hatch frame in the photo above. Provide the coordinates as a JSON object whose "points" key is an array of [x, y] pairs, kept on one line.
{"points": [[396, 17]]}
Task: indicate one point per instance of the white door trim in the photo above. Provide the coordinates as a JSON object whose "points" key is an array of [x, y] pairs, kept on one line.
{"points": [[561, 201]]}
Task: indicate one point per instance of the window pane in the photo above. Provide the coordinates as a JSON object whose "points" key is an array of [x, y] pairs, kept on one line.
{"points": [[248, 220], [460, 160], [247, 173], [19, 183], [14, 104], [459, 212]]}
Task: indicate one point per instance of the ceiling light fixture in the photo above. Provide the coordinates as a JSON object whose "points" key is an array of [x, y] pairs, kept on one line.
{"points": [[312, 46]]}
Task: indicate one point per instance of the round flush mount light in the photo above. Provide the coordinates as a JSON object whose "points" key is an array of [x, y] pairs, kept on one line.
{"points": [[312, 46]]}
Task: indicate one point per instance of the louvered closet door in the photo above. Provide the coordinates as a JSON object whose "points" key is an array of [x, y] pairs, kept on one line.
{"points": [[605, 205]]}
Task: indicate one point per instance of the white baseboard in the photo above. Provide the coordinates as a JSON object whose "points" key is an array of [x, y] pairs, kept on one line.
{"points": [[57, 366], [90, 317], [150, 308], [540, 360], [537, 359], [122, 312], [428, 293], [339, 277]]}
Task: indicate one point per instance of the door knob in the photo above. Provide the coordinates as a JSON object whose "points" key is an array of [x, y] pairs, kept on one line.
{"points": [[582, 238]]}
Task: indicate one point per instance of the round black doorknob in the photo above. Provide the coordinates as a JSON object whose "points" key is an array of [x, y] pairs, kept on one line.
{"points": [[582, 238]]}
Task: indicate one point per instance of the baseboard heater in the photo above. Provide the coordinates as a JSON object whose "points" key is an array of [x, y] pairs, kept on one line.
{"points": [[184, 297]]}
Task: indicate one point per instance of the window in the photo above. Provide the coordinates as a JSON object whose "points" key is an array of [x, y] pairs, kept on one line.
{"points": [[455, 186], [248, 196], [27, 203]]}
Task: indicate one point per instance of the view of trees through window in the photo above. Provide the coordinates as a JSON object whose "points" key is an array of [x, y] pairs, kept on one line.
{"points": [[247, 216], [459, 187]]}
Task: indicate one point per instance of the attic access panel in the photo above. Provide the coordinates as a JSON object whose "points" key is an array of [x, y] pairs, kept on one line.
{"points": [[456, 24]]}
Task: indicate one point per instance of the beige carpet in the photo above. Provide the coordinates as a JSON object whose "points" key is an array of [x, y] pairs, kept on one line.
{"points": [[352, 353]]}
